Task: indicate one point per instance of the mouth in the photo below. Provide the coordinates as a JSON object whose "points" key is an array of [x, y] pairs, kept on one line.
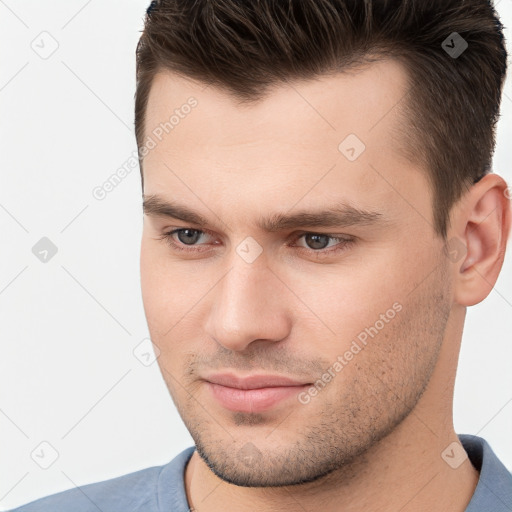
{"points": [[254, 393]]}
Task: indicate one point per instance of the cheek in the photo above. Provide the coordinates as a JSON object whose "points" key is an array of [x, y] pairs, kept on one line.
{"points": [[171, 290], [349, 298], [148, 274], [158, 292], [361, 303], [164, 304]]}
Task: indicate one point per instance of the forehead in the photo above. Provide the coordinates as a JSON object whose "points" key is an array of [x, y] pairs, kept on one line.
{"points": [[361, 99], [337, 135]]}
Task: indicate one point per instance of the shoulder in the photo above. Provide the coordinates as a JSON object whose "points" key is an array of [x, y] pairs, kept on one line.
{"points": [[494, 488], [121, 493], [140, 490]]}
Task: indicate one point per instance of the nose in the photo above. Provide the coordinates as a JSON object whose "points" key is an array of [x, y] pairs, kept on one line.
{"points": [[249, 304]]}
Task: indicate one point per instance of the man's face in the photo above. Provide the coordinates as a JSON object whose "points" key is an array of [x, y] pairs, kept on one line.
{"points": [[245, 300]]}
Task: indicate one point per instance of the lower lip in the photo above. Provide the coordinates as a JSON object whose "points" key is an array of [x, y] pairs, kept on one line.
{"points": [[252, 400]]}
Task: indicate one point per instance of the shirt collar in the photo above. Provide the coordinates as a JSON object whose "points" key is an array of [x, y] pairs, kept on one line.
{"points": [[494, 489], [492, 493]]}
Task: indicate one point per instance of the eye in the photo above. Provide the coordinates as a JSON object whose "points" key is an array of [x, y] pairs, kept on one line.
{"points": [[186, 239], [318, 243]]}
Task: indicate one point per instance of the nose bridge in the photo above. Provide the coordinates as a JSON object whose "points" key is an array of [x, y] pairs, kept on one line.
{"points": [[246, 306]]}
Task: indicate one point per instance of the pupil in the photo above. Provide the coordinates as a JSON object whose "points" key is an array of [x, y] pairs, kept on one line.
{"points": [[187, 237], [316, 244]]}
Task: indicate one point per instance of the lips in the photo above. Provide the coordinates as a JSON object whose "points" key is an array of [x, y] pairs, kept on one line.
{"points": [[253, 393], [253, 381]]}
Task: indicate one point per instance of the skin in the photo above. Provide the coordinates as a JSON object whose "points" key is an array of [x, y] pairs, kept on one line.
{"points": [[372, 438]]}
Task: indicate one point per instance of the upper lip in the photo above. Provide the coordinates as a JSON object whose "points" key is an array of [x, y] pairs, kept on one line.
{"points": [[253, 381]]}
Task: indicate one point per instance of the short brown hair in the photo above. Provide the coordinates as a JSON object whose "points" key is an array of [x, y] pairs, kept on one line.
{"points": [[246, 47]]}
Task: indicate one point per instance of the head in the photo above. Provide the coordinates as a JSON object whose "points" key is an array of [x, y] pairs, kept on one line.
{"points": [[327, 165]]}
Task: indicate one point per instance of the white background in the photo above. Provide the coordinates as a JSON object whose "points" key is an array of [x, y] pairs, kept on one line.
{"points": [[68, 375]]}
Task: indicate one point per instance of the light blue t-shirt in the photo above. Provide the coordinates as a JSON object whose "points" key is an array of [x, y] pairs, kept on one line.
{"points": [[162, 488]]}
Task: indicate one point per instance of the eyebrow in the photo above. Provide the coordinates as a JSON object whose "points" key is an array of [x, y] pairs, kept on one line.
{"points": [[339, 215]]}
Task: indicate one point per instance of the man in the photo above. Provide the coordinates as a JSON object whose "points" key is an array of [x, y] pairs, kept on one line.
{"points": [[320, 211]]}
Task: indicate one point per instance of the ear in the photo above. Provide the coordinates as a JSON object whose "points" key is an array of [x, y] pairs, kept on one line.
{"points": [[478, 238]]}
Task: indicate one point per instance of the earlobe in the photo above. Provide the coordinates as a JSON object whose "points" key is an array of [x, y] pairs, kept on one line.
{"points": [[483, 226]]}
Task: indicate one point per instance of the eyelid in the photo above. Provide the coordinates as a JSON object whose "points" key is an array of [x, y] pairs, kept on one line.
{"points": [[345, 241], [340, 236]]}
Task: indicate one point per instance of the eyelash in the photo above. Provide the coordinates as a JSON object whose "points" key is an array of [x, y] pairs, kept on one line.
{"points": [[345, 242]]}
